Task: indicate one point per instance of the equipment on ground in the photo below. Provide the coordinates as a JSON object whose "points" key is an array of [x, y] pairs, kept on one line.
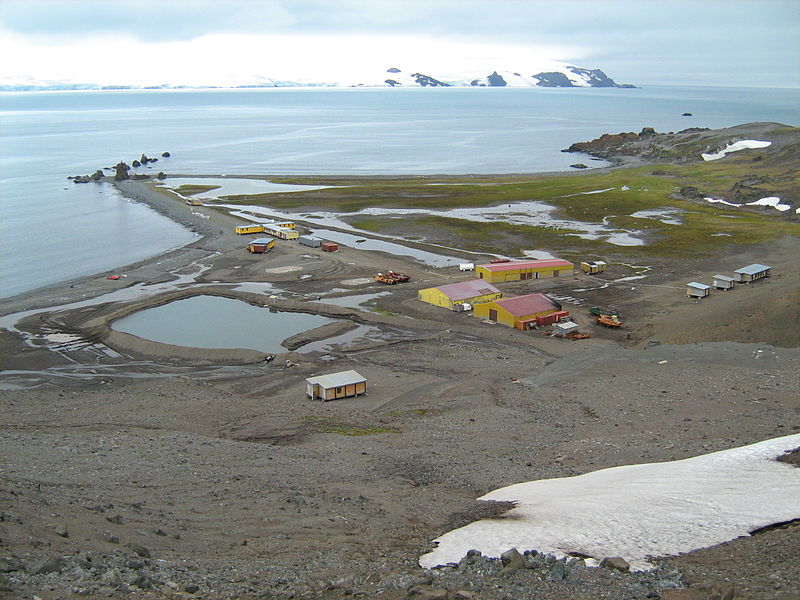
{"points": [[391, 278]]}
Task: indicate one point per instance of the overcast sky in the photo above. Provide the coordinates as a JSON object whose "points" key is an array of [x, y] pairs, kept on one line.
{"points": [[716, 42]]}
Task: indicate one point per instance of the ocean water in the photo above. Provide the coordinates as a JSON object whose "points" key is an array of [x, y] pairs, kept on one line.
{"points": [[52, 230]]}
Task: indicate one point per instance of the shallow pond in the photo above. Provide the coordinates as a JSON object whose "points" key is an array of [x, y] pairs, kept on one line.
{"points": [[217, 322]]}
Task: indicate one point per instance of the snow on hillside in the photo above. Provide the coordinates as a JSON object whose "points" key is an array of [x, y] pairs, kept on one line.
{"points": [[736, 146], [639, 511]]}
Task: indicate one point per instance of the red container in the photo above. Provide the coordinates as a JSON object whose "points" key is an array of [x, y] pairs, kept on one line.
{"points": [[329, 247]]}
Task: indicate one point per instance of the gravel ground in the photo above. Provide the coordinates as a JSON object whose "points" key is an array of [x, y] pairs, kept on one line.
{"points": [[129, 476]]}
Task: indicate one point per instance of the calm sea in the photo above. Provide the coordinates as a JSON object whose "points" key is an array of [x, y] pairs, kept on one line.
{"points": [[52, 230]]}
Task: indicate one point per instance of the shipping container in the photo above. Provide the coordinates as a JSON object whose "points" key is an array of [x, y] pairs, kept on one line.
{"points": [[329, 246], [310, 241]]}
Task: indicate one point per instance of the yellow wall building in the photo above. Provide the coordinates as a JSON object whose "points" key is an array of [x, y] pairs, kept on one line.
{"points": [[509, 311], [524, 269], [453, 295]]}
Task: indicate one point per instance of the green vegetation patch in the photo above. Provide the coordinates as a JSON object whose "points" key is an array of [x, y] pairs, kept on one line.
{"points": [[331, 425], [190, 189]]}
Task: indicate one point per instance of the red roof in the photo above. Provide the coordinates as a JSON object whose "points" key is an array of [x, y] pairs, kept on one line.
{"points": [[530, 304], [467, 289], [547, 263]]}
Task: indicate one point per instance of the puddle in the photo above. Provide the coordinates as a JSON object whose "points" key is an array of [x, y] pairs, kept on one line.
{"points": [[538, 254], [230, 186], [355, 241], [668, 216], [217, 322], [354, 301]]}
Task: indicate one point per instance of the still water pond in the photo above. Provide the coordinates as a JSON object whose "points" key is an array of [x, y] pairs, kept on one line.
{"points": [[217, 322]]}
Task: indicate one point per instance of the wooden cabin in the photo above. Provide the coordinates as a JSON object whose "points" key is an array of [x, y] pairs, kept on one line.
{"points": [[336, 385]]}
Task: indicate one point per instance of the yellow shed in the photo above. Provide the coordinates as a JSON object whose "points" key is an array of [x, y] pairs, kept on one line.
{"points": [[251, 228], [520, 308], [455, 295], [523, 269]]}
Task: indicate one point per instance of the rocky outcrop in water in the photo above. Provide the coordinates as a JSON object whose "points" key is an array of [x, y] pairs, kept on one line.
{"points": [[121, 171]]}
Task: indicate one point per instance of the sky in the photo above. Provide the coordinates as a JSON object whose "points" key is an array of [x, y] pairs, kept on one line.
{"points": [[643, 42]]}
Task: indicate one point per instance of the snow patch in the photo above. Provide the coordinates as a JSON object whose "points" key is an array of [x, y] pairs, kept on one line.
{"points": [[720, 201], [740, 145], [772, 201], [639, 511]]}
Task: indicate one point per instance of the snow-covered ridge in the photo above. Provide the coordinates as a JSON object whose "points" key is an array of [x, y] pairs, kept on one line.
{"points": [[556, 76], [639, 511], [740, 145]]}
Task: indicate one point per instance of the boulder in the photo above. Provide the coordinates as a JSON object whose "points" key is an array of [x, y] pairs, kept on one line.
{"points": [[136, 163], [512, 562], [48, 564], [579, 166], [97, 175], [165, 154], [616, 563]]}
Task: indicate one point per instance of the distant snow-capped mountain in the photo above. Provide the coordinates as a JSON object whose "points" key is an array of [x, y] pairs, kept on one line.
{"points": [[558, 76]]}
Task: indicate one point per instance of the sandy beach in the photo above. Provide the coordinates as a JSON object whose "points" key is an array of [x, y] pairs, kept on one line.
{"points": [[144, 470]]}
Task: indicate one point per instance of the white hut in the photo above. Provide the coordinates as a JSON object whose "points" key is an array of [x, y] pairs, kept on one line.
{"points": [[697, 290], [723, 282]]}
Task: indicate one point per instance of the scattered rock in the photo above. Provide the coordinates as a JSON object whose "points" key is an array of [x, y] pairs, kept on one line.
{"points": [[61, 530], [165, 154], [48, 564], [116, 519], [579, 166], [139, 549], [121, 171]]}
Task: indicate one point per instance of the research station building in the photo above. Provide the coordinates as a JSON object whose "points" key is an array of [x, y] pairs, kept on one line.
{"points": [[523, 269], [518, 311], [453, 296]]}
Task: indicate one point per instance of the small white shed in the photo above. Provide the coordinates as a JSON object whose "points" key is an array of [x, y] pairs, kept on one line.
{"points": [[723, 282], [562, 329], [697, 290]]}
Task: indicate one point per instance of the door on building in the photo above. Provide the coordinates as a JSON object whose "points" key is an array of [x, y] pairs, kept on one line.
{"points": [[492, 314]]}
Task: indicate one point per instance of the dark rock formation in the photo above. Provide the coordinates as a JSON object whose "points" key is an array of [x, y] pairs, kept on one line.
{"points": [[144, 160], [136, 163], [161, 175], [593, 78], [121, 171], [428, 81], [392, 82], [687, 114], [553, 79], [579, 166], [496, 80], [165, 155], [97, 175], [393, 70]]}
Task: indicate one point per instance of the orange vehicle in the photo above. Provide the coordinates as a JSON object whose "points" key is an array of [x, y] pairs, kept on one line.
{"points": [[390, 277]]}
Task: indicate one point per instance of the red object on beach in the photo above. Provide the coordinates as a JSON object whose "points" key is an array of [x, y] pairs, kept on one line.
{"points": [[113, 277]]}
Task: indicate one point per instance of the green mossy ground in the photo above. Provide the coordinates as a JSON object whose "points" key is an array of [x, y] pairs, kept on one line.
{"points": [[654, 186]]}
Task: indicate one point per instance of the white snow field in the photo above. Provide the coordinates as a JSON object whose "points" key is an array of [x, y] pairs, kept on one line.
{"points": [[772, 201], [639, 511], [741, 145]]}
